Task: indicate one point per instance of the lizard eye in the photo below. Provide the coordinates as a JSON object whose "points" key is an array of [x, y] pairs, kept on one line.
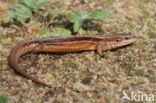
{"points": [[126, 38]]}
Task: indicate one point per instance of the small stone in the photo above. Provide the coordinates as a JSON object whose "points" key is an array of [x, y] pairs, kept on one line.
{"points": [[7, 41], [86, 80], [29, 81], [50, 92], [81, 87], [39, 92], [89, 94], [10, 35], [154, 63], [1, 47]]}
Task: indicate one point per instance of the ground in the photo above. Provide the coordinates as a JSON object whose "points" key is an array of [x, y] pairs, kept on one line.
{"points": [[87, 77]]}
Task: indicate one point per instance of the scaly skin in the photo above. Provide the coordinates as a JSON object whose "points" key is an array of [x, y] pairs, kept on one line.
{"points": [[65, 44]]}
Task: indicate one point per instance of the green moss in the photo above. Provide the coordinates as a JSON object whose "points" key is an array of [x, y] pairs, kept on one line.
{"points": [[138, 78], [69, 65], [4, 98], [147, 41], [128, 65], [1, 38]]}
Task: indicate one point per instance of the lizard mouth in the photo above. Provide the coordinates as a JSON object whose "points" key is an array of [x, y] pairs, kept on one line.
{"points": [[126, 42]]}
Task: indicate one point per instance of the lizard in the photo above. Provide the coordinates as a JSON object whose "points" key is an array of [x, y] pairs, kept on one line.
{"points": [[66, 44]]}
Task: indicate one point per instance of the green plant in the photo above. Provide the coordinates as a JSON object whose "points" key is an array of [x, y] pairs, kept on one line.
{"points": [[32, 4], [23, 10], [137, 77], [56, 32], [78, 18], [146, 41], [43, 31], [62, 32], [1, 38], [3, 98]]}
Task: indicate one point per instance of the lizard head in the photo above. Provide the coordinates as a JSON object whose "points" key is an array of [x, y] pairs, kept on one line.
{"points": [[124, 39], [120, 40]]}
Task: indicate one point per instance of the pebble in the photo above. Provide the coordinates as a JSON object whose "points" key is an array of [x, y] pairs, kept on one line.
{"points": [[1, 47], [154, 63], [81, 87], [7, 41]]}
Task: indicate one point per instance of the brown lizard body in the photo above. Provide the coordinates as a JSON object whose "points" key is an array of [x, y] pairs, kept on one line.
{"points": [[66, 44]]}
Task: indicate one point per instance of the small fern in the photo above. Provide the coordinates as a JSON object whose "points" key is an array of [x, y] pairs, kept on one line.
{"points": [[23, 10], [78, 18]]}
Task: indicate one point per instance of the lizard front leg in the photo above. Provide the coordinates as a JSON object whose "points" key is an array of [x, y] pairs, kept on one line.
{"points": [[101, 46]]}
